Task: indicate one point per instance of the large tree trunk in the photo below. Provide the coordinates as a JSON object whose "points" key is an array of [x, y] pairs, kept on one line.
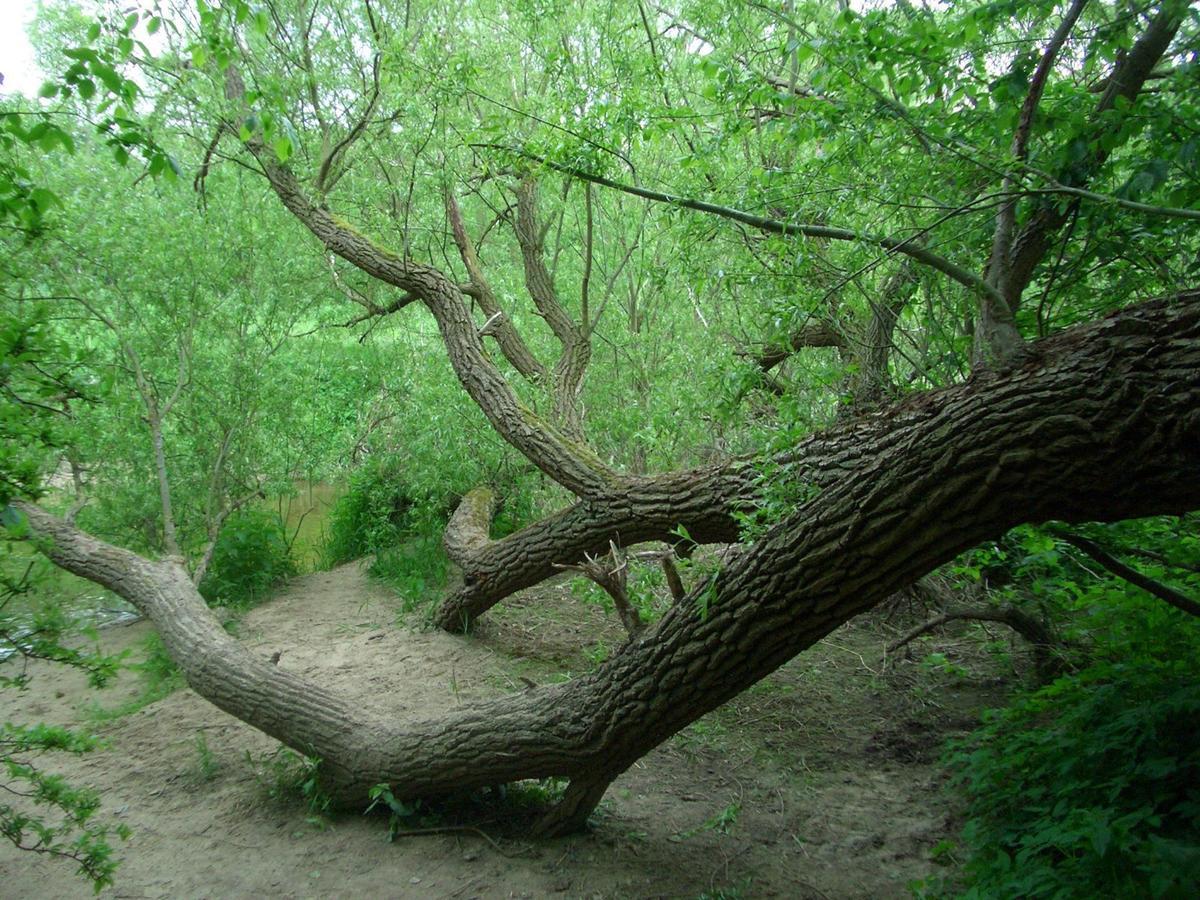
{"points": [[1103, 422]]}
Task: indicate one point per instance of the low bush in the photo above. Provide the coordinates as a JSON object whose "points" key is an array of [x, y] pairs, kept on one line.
{"points": [[1088, 787], [385, 514], [372, 515], [251, 555]]}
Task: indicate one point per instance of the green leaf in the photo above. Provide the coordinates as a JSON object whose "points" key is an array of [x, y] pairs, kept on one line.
{"points": [[250, 127], [283, 148], [83, 54]]}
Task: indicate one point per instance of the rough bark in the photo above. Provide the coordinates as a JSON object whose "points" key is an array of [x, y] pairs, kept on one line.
{"points": [[640, 509], [1102, 423], [871, 383], [575, 339]]}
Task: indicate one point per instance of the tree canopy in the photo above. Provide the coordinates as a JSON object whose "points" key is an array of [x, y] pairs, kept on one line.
{"points": [[854, 287]]}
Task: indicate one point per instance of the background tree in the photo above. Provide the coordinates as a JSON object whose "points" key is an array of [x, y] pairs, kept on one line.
{"points": [[925, 190]]}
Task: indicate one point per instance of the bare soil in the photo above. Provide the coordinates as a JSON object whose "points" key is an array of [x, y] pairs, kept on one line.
{"points": [[821, 782]]}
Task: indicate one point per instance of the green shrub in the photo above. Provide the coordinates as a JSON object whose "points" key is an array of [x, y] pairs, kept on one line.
{"points": [[416, 569], [371, 516], [384, 513], [250, 557], [1088, 787]]}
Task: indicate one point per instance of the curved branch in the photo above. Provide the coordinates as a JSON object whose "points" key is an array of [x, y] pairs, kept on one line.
{"points": [[997, 326], [907, 246], [706, 501], [815, 333], [569, 463]]}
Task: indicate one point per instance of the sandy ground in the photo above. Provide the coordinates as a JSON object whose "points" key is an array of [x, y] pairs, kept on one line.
{"points": [[819, 782]]}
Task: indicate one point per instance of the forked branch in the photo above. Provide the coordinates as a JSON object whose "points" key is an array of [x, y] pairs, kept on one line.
{"points": [[611, 572]]}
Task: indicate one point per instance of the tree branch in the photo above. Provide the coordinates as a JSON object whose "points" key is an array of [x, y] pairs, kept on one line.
{"points": [[572, 363], [997, 320], [1126, 81], [573, 465], [1039, 637], [1156, 588], [515, 350], [907, 246], [611, 573]]}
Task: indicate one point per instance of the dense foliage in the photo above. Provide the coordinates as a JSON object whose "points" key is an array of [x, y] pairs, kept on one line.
{"points": [[250, 557], [1087, 785], [761, 220]]}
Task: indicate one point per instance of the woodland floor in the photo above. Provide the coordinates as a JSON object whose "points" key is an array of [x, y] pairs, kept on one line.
{"points": [[822, 781]]}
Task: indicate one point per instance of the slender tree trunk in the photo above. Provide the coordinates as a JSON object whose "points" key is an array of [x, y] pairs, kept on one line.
{"points": [[1102, 423]]}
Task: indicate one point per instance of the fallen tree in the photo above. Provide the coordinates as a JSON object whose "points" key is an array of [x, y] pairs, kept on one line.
{"points": [[1102, 423]]}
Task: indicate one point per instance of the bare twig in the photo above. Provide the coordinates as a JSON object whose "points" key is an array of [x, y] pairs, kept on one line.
{"points": [[611, 572]]}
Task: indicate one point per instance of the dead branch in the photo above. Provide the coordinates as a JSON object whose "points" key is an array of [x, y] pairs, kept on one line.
{"points": [[611, 572], [1046, 647]]}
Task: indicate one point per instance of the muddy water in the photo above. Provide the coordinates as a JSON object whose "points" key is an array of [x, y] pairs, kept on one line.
{"points": [[305, 515]]}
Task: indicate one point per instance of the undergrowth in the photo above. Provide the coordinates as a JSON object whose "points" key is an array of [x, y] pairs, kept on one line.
{"points": [[399, 521], [511, 807], [1088, 786], [286, 777], [250, 557]]}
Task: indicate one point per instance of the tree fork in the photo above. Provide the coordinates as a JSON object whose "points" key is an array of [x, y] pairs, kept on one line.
{"points": [[1103, 423]]}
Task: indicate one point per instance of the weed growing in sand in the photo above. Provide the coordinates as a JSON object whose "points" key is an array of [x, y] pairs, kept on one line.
{"points": [[207, 765], [287, 777]]}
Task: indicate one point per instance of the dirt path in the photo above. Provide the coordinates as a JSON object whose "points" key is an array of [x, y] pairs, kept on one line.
{"points": [[818, 783]]}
